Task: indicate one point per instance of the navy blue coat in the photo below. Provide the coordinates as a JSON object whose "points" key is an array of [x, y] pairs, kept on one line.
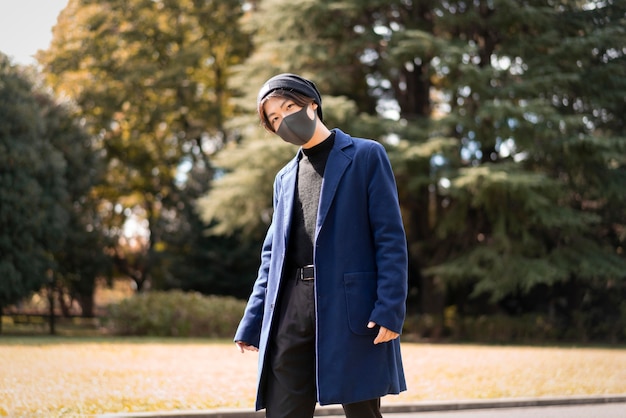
{"points": [[360, 262]]}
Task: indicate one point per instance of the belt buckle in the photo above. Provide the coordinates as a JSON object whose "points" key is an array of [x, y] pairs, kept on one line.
{"points": [[311, 267]]}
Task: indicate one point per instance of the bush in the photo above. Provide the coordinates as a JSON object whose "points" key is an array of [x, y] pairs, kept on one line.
{"points": [[176, 314], [523, 329]]}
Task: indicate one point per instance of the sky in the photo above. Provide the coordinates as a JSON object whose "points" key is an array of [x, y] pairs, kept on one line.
{"points": [[26, 27]]}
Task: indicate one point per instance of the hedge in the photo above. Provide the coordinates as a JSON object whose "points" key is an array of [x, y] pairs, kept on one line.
{"points": [[176, 314]]}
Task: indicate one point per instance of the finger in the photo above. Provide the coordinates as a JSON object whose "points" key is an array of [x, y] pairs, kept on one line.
{"points": [[371, 324], [380, 337], [392, 336], [385, 335], [248, 347]]}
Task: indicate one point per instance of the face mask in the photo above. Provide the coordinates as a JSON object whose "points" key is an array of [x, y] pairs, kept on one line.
{"points": [[297, 128]]}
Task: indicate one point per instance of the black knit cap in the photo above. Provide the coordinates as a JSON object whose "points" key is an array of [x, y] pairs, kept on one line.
{"points": [[287, 81]]}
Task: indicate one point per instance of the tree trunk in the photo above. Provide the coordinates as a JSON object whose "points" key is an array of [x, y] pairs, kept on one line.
{"points": [[51, 305], [65, 306], [433, 303], [86, 303]]}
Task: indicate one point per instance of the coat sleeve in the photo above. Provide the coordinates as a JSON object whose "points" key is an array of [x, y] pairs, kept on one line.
{"points": [[249, 329], [389, 240]]}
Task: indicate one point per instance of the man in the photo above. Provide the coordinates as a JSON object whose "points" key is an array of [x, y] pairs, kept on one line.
{"points": [[328, 303]]}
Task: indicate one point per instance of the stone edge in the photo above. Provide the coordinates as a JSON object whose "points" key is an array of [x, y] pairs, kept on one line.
{"points": [[426, 406]]}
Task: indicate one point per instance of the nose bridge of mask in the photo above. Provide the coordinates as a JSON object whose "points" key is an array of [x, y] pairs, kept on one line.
{"points": [[303, 110], [297, 128]]}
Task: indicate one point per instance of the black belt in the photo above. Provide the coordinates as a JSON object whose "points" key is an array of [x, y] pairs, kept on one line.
{"points": [[305, 273]]}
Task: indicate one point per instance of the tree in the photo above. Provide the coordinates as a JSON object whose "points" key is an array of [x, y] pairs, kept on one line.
{"points": [[149, 78], [300, 37], [47, 171], [32, 219], [509, 159], [348, 49], [84, 256], [539, 169]]}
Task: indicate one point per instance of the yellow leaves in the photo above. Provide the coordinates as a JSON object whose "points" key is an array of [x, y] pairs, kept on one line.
{"points": [[446, 372], [73, 378]]}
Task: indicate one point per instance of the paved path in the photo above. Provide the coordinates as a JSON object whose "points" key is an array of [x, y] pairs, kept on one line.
{"points": [[560, 407], [615, 410], [609, 406]]}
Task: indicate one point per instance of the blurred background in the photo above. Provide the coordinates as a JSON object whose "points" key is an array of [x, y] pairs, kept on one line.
{"points": [[134, 172]]}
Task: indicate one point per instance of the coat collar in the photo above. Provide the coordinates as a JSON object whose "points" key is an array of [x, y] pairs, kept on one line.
{"points": [[338, 160]]}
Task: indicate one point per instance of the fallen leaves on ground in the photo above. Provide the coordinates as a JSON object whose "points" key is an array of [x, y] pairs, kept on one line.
{"points": [[70, 378]]}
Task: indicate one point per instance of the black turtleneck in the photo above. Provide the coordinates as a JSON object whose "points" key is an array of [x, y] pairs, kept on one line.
{"points": [[311, 166]]}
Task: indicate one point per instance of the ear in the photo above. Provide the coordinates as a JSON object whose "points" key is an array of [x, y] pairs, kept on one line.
{"points": [[312, 115]]}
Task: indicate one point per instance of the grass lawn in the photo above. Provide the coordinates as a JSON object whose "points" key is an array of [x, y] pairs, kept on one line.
{"points": [[56, 377]]}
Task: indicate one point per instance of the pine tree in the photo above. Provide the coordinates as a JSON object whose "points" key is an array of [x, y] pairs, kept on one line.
{"points": [[540, 148], [504, 123]]}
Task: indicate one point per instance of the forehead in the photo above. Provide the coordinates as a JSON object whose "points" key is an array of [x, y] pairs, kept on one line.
{"points": [[273, 104]]}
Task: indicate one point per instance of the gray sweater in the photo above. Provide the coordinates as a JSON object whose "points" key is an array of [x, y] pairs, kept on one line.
{"points": [[311, 165]]}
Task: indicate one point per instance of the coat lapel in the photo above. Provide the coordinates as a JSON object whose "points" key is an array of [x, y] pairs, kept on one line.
{"points": [[338, 161], [288, 185]]}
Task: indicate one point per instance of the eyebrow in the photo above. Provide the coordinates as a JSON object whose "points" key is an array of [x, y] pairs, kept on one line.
{"points": [[281, 106]]}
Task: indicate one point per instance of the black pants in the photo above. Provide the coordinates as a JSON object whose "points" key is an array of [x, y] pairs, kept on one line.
{"points": [[291, 385]]}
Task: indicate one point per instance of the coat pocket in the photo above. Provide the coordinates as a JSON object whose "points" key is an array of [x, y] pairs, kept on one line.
{"points": [[360, 299]]}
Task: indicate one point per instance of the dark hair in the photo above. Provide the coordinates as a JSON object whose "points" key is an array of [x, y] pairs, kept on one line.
{"points": [[298, 98]]}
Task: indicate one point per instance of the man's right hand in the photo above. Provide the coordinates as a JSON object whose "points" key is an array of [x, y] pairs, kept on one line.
{"points": [[243, 346]]}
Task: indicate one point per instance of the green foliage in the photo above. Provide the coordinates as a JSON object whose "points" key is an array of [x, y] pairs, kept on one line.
{"points": [[503, 120], [83, 257], [521, 207], [32, 189], [522, 238], [15, 267], [176, 314], [150, 81], [510, 159], [50, 227], [498, 329], [602, 318], [245, 189]]}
